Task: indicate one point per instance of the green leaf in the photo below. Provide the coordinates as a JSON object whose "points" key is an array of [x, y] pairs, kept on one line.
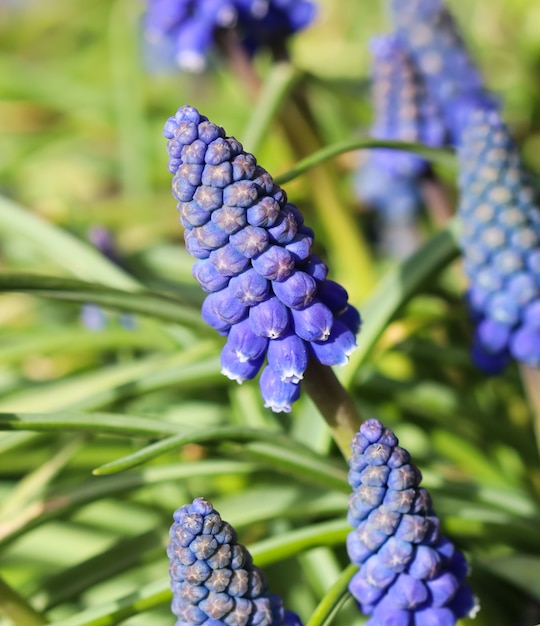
{"points": [[279, 83], [435, 155], [194, 367], [158, 306], [396, 287], [58, 502], [70, 253]]}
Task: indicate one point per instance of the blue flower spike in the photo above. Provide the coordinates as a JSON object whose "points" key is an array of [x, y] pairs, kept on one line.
{"points": [[433, 41], [213, 579], [191, 27], [410, 575], [267, 292], [501, 245], [389, 180], [403, 109]]}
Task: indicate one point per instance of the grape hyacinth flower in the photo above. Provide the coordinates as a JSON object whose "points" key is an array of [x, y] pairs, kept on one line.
{"points": [[500, 244], [267, 292], [213, 579], [403, 109], [193, 26], [410, 575], [432, 39], [388, 181]]}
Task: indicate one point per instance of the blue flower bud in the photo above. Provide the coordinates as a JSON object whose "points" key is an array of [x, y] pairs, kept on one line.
{"points": [[336, 350], [217, 175], [191, 214], [267, 292], [264, 213], [314, 322], [269, 318], [277, 394], [229, 219], [288, 356], [250, 288], [409, 574], [220, 586], [297, 290], [250, 241], [275, 263], [206, 274]]}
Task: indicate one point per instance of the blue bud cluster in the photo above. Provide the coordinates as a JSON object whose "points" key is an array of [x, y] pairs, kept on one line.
{"points": [[410, 575], [267, 292], [501, 245], [404, 112], [388, 181], [213, 579], [432, 39], [193, 25]]}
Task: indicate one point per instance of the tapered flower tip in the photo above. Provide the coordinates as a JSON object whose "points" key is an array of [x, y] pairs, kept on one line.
{"points": [[267, 293], [409, 573], [213, 579]]}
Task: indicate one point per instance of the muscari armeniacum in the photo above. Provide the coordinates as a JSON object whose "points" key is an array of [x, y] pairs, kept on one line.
{"points": [[410, 575], [389, 179], [433, 41], [213, 579], [192, 27], [267, 292], [500, 244]]}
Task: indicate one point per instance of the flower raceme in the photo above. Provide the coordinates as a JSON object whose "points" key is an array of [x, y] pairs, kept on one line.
{"points": [[388, 180], [432, 39], [410, 575], [267, 292], [193, 25], [213, 579], [403, 109], [500, 244]]}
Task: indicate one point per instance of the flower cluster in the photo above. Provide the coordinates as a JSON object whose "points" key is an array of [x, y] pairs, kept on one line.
{"points": [[267, 292], [213, 579], [404, 112], [193, 25], [410, 574], [501, 245], [433, 42], [388, 181]]}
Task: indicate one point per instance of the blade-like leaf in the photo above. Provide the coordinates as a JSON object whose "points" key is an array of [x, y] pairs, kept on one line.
{"points": [[159, 306]]}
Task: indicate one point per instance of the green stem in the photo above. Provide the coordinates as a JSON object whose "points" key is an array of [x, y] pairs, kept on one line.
{"points": [[531, 382], [17, 609], [333, 599], [334, 403]]}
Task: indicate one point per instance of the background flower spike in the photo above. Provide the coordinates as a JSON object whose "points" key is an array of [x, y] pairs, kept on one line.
{"points": [[501, 245], [213, 579], [410, 575], [433, 41], [266, 289]]}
